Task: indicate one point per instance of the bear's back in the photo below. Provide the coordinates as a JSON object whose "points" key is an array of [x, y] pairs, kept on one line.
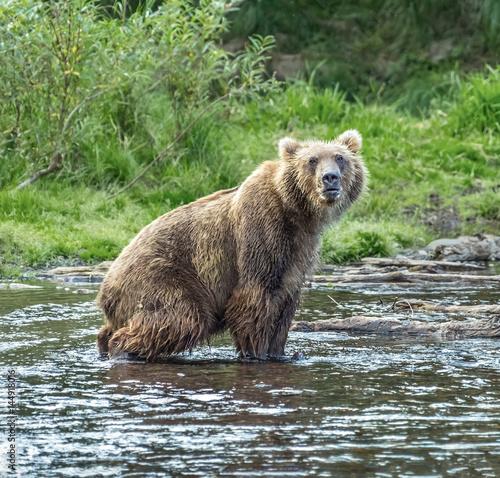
{"points": [[190, 248]]}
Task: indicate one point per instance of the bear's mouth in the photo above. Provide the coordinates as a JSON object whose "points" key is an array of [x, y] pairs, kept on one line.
{"points": [[331, 194]]}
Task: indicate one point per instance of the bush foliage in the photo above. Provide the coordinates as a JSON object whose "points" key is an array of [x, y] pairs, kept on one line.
{"points": [[75, 77]]}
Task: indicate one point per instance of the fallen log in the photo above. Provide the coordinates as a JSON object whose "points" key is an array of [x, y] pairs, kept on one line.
{"points": [[359, 269], [361, 324], [415, 304], [406, 276], [391, 261]]}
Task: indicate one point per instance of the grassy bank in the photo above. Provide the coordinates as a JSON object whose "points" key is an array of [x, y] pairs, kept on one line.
{"points": [[429, 177], [99, 107]]}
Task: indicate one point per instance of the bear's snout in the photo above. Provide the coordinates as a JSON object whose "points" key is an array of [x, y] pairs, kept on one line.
{"points": [[331, 180], [332, 187]]}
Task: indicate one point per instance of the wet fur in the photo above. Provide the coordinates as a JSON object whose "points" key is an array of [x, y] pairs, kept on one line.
{"points": [[234, 260]]}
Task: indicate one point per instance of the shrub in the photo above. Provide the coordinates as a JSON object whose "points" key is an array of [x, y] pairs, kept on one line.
{"points": [[63, 56]]}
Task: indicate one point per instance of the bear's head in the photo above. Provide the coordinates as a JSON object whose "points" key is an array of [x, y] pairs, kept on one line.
{"points": [[327, 173]]}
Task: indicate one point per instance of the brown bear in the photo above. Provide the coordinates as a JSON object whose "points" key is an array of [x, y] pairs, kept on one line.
{"points": [[234, 260]]}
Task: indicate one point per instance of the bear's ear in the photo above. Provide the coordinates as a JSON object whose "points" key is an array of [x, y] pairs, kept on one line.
{"points": [[352, 139], [288, 147]]}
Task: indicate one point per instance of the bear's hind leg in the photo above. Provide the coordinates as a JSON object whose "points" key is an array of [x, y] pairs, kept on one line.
{"points": [[150, 334]]}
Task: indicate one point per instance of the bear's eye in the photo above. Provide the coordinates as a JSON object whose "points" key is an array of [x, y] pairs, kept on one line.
{"points": [[313, 160], [339, 158]]}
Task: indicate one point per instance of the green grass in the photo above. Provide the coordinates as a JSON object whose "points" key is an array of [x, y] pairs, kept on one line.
{"points": [[356, 238], [478, 105], [420, 168], [42, 227]]}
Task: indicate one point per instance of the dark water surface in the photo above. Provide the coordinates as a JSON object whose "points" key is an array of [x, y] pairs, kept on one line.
{"points": [[355, 406]]}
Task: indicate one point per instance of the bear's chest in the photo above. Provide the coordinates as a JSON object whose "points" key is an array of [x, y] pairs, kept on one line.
{"points": [[301, 256]]}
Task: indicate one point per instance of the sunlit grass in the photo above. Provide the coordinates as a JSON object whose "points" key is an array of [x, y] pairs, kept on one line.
{"points": [[478, 105]]}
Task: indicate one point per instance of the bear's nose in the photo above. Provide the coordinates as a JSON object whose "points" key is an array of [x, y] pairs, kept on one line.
{"points": [[331, 179]]}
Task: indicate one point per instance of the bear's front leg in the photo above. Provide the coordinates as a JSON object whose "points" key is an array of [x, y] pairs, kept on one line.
{"points": [[280, 332], [251, 316]]}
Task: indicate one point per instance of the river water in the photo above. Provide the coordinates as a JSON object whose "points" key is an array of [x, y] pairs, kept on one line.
{"points": [[354, 406]]}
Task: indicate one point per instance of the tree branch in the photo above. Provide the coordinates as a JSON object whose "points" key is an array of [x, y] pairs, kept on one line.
{"points": [[163, 153], [79, 105], [54, 166]]}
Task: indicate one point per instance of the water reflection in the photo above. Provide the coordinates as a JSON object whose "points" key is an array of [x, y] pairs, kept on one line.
{"points": [[356, 406]]}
